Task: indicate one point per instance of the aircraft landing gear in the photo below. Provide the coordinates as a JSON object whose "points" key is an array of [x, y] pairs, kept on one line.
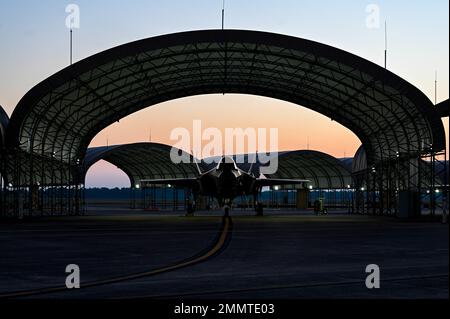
{"points": [[190, 209], [227, 210], [259, 209]]}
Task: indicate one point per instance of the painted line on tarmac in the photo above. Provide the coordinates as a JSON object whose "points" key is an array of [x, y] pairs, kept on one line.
{"points": [[221, 242], [281, 287]]}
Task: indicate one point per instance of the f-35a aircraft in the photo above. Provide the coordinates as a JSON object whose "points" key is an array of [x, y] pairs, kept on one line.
{"points": [[224, 182]]}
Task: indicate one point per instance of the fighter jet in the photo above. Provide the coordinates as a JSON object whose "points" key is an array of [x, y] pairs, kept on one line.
{"points": [[225, 182]]}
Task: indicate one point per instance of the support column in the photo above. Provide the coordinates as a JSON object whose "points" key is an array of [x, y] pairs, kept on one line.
{"points": [[409, 198], [201, 203], [301, 201]]}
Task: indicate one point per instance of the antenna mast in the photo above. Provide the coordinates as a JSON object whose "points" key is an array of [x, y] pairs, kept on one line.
{"points": [[71, 46], [435, 87], [223, 14], [385, 44]]}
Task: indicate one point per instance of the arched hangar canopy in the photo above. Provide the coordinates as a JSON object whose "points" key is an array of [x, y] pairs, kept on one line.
{"points": [[324, 171], [359, 163], [62, 114], [443, 108], [141, 161], [4, 121]]}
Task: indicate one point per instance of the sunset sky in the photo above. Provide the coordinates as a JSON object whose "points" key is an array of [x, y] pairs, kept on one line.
{"points": [[34, 43]]}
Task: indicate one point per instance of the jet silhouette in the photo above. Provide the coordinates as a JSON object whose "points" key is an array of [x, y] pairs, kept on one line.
{"points": [[225, 182]]}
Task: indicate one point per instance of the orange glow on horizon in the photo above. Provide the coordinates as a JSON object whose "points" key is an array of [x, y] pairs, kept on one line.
{"points": [[296, 125]]}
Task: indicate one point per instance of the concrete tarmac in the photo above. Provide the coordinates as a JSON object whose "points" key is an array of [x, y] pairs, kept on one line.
{"points": [[282, 255]]}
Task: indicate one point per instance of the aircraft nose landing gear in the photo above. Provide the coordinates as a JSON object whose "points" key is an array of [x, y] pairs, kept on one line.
{"points": [[190, 209], [259, 209], [226, 207]]}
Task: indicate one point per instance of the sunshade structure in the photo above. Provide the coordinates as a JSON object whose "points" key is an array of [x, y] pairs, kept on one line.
{"points": [[443, 108], [4, 120], [142, 161], [322, 170], [359, 163], [146, 161], [428, 173], [59, 117]]}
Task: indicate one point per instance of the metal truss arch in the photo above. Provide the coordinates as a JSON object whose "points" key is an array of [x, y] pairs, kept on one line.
{"points": [[62, 114]]}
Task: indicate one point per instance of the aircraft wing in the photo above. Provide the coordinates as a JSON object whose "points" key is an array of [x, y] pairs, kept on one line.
{"points": [[279, 182], [175, 182]]}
